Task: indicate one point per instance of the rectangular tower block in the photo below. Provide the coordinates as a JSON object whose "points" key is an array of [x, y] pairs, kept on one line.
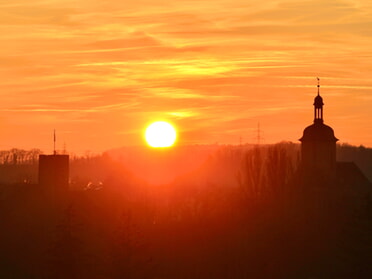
{"points": [[54, 172]]}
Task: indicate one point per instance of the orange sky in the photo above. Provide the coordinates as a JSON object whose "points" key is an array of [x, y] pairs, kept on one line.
{"points": [[98, 72]]}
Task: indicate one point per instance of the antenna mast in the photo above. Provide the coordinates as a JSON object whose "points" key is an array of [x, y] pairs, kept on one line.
{"points": [[54, 140]]}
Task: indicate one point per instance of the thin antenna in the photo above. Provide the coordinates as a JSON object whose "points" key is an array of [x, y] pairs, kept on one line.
{"points": [[258, 133], [240, 140], [64, 148], [54, 139], [318, 84]]}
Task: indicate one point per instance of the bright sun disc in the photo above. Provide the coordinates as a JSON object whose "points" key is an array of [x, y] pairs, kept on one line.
{"points": [[160, 134]]}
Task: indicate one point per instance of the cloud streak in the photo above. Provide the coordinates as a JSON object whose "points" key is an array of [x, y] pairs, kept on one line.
{"points": [[211, 67]]}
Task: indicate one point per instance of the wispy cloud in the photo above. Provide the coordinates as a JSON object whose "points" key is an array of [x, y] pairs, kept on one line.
{"points": [[210, 66]]}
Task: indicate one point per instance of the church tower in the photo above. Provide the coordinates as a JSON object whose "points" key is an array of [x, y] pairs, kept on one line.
{"points": [[318, 144]]}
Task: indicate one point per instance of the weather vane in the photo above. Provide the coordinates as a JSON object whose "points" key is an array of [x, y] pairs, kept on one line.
{"points": [[318, 84]]}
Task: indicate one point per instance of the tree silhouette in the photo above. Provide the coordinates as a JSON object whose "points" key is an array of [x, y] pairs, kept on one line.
{"points": [[279, 169], [251, 175]]}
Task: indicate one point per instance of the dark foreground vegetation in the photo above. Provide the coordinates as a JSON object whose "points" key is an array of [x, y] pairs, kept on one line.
{"points": [[240, 215]]}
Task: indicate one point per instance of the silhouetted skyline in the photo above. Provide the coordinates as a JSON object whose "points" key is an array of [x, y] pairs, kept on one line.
{"points": [[162, 139]]}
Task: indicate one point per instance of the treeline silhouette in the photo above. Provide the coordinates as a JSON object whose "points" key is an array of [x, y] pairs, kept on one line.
{"points": [[203, 164], [239, 215]]}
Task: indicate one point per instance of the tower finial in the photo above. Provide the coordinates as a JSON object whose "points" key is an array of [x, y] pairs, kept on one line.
{"points": [[318, 84]]}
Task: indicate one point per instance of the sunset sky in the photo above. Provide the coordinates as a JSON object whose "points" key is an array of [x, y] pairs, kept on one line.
{"points": [[99, 71]]}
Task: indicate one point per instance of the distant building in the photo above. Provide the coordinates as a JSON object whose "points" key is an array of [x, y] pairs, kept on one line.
{"points": [[318, 148], [54, 173], [319, 168]]}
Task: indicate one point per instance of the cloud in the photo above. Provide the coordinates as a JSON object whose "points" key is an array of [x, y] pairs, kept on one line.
{"points": [[210, 66]]}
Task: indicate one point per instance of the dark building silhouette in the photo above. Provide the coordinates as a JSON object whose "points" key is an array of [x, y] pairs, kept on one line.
{"points": [[318, 148], [54, 173], [319, 167]]}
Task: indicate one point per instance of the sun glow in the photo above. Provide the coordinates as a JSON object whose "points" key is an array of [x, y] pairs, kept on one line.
{"points": [[160, 134]]}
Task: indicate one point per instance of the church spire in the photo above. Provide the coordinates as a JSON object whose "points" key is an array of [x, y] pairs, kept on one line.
{"points": [[318, 106]]}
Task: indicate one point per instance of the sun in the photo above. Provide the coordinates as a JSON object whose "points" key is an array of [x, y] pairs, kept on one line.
{"points": [[160, 134]]}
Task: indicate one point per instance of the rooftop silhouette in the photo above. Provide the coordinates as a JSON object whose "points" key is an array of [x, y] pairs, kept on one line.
{"points": [[319, 166], [318, 146]]}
